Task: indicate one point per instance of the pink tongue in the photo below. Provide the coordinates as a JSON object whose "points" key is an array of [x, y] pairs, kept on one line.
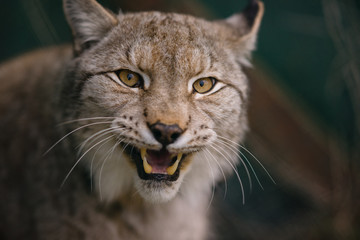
{"points": [[159, 160]]}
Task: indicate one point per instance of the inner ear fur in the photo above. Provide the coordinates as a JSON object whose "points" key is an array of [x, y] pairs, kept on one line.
{"points": [[89, 22]]}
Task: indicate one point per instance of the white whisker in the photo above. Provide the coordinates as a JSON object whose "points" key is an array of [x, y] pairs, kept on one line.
{"points": [[92, 162], [213, 180], [108, 155], [77, 162], [236, 152], [221, 169], [97, 135], [68, 134], [252, 155], [236, 172], [85, 119]]}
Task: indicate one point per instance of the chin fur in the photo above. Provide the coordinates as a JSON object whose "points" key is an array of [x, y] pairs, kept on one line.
{"points": [[157, 192]]}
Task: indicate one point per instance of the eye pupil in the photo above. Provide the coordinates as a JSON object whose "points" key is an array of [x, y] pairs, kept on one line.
{"points": [[129, 78], [204, 85]]}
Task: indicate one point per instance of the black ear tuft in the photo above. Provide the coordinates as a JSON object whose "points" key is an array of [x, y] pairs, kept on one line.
{"points": [[246, 24], [248, 21], [251, 12]]}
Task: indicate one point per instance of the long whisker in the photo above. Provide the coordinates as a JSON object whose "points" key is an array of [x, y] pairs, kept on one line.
{"points": [[108, 155], [236, 172], [77, 129], [252, 155], [117, 143], [213, 180], [236, 151], [120, 140], [77, 162], [85, 119], [97, 135], [222, 171], [92, 163]]}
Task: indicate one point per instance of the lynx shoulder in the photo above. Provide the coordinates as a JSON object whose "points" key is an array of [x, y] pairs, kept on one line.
{"points": [[123, 135]]}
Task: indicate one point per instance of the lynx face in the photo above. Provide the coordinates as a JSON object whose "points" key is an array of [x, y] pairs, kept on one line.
{"points": [[156, 97]]}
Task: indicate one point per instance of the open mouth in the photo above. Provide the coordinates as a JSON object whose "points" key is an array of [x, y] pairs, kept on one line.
{"points": [[157, 165]]}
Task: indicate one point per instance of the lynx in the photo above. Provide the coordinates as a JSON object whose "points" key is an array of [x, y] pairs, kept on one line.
{"points": [[124, 134]]}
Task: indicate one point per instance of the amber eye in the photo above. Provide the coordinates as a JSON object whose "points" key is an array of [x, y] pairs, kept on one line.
{"points": [[204, 85], [129, 78]]}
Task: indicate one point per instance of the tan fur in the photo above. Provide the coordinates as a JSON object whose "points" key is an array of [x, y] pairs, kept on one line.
{"points": [[50, 87]]}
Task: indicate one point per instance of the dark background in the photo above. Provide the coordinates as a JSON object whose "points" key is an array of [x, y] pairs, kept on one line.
{"points": [[304, 113]]}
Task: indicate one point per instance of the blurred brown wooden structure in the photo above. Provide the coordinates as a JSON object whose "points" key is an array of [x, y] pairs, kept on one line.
{"points": [[306, 157]]}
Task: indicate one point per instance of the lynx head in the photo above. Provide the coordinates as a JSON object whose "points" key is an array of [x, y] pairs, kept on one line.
{"points": [[159, 98]]}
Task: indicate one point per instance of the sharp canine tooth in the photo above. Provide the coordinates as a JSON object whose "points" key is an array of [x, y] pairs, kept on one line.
{"points": [[172, 169], [179, 156], [146, 165], [143, 153]]}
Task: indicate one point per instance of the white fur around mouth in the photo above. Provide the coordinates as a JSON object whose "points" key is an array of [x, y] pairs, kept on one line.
{"points": [[169, 170]]}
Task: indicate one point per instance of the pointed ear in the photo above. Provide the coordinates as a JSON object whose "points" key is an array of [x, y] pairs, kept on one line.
{"points": [[247, 25], [89, 22]]}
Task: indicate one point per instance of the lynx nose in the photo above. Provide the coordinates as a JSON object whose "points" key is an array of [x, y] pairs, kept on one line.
{"points": [[166, 134]]}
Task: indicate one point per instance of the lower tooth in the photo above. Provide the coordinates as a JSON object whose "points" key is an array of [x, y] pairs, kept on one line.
{"points": [[172, 169]]}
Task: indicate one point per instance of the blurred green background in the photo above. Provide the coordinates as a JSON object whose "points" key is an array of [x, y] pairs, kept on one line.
{"points": [[310, 51]]}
